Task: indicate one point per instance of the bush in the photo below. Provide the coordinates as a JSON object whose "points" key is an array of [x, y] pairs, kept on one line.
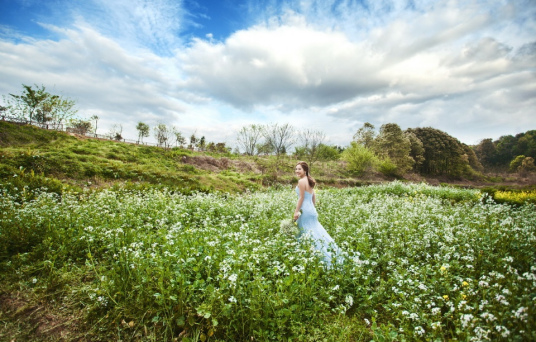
{"points": [[360, 159], [388, 168]]}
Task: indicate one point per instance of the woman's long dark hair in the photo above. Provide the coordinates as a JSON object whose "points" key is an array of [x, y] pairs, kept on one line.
{"points": [[305, 168]]}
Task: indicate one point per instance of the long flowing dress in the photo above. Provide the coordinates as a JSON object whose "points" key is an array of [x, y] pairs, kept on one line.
{"points": [[309, 225]]}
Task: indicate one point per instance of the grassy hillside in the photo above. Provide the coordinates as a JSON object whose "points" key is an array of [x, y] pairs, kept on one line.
{"points": [[54, 159], [28, 152], [34, 157]]}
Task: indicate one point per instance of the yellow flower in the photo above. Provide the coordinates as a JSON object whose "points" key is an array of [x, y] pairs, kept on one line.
{"points": [[465, 283], [464, 297], [443, 269], [446, 297]]}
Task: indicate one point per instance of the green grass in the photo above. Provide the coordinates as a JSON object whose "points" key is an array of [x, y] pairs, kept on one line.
{"points": [[110, 241], [420, 263], [83, 162]]}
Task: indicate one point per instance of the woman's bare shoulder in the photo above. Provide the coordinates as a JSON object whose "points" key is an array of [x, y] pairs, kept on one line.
{"points": [[303, 181]]}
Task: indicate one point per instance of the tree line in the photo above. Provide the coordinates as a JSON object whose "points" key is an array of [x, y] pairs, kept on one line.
{"points": [[394, 152], [389, 150], [517, 153]]}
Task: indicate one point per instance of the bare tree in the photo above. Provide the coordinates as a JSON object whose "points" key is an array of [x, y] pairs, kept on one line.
{"points": [[116, 132], [96, 118], [249, 137], [311, 141], [279, 137], [180, 140], [163, 135]]}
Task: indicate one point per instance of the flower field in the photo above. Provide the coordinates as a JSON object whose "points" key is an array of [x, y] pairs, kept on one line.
{"points": [[419, 263]]}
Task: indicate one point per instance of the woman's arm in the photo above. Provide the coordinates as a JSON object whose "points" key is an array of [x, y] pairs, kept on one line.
{"points": [[314, 198], [301, 187]]}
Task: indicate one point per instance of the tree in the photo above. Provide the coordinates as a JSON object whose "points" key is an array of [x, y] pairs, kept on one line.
{"points": [[522, 164], [443, 154], [80, 126], [59, 109], [163, 135], [299, 152], [27, 104], [394, 145], [486, 152], [279, 137], [503, 151], [116, 132], [193, 142], [39, 105], [327, 153], [143, 131], [180, 140], [311, 141], [249, 137], [365, 135], [526, 144], [265, 148], [96, 119], [416, 149], [202, 143], [515, 164], [471, 157], [527, 165], [217, 147]]}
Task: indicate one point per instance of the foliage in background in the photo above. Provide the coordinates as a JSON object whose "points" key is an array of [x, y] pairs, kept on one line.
{"points": [[360, 159], [443, 154], [394, 147], [40, 105], [501, 152]]}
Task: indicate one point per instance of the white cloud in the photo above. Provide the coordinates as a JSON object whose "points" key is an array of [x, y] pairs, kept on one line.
{"points": [[152, 24], [99, 74], [292, 65], [466, 67]]}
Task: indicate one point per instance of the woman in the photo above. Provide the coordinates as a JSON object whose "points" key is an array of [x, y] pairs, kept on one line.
{"points": [[308, 220]]}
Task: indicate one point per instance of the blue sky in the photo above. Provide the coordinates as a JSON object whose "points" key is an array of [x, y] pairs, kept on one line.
{"points": [[212, 67]]}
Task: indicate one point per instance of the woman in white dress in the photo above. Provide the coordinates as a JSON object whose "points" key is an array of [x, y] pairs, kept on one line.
{"points": [[308, 220]]}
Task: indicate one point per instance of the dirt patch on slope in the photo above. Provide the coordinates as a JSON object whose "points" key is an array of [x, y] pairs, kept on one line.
{"points": [[220, 164]]}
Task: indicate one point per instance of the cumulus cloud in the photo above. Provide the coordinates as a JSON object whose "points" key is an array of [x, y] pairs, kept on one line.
{"points": [[292, 65], [466, 67], [425, 67], [98, 73]]}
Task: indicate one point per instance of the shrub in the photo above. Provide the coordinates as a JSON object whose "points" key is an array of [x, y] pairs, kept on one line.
{"points": [[388, 168], [359, 158]]}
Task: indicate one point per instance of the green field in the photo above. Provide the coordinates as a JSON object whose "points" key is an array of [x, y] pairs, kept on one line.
{"points": [[420, 263]]}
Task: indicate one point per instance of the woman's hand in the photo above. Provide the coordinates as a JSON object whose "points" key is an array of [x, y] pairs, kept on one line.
{"points": [[296, 215]]}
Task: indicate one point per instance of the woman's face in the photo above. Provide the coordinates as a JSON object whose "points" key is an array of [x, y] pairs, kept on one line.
{"points": [[299, 171]]}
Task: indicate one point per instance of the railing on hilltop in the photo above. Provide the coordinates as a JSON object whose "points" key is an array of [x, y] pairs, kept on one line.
{"points": [[111, 137], [58, 126]]}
